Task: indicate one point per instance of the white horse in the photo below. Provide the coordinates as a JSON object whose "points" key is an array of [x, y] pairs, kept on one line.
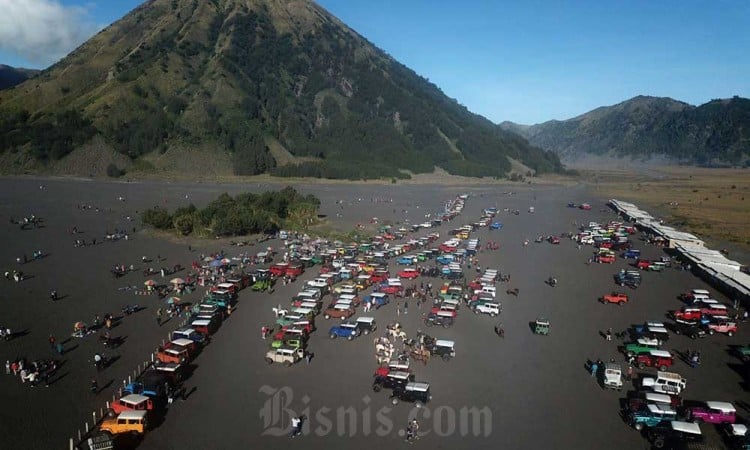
{"points": [[280, 312]]}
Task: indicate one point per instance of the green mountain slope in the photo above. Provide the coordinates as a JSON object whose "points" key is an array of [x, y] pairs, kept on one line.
{"points": [[717, 132], [11, 76], [254, 86]]}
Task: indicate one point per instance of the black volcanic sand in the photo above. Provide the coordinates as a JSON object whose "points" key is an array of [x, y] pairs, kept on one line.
{"points": [[537, 389]]}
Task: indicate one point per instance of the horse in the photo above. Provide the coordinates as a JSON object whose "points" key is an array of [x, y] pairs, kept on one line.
{"points": [[280, 312], [513, 292]]}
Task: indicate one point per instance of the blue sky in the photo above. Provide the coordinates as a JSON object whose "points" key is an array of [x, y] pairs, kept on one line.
{"points": [[525, 61]]}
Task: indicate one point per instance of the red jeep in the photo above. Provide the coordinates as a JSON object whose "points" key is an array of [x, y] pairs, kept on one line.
{"points": [[643, 264], [294, 270], [660, 359], [279, 269], [607, 259], [409, 274], [687, 314], [618, 298], [380, 276]]}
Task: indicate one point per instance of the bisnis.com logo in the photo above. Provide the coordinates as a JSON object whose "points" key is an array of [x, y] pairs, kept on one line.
{"points": [[362, 419]]}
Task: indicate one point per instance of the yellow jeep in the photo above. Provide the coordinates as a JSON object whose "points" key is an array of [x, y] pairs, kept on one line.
{"points": [[125, 422]]}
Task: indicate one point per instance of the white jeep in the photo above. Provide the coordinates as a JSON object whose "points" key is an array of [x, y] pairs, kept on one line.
{"points": [[493, 309]]}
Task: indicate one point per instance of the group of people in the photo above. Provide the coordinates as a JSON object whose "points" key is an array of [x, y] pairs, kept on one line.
{"points": [[34, 373], [15, 275]]}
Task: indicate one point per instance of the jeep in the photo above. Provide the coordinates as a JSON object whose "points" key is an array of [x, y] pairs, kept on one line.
{"points": [[414, 392], [674, 434], [651, 415]]}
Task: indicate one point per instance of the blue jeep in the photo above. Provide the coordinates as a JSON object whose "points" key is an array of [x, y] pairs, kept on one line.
{"points": [[445, 259], [377, 299], [348, 330], [632, 254], [651, 415], [405, 261]]}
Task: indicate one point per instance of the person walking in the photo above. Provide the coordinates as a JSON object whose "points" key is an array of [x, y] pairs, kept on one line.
{"points": [[263, 332], [609, 334], [94, 386], [406, 307], [594, 369], [158, 316], [52, 341], [7, 367], [53, 295], [308, 357]]}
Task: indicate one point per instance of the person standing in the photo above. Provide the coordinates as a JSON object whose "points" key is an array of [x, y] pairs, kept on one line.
{"points": [[406, 307], [52, 341], [609, 334], [158, 316], [7, 367], [594, 369]]}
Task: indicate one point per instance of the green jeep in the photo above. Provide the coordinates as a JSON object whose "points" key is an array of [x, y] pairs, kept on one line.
{"points": [[641, 346], [288, 343], [744, 352]]}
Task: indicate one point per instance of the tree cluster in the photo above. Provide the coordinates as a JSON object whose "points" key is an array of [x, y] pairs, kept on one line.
{"points": [[246, 213]]}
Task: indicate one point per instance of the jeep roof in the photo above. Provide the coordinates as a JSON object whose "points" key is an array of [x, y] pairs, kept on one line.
{"points": [[133, 399], [444, 343], [724, 407], [685, 427], [378, 295], [368, 320], [132, 415], [418, 386], [183, 342], [660, 353], [347, 325], [660, 409], [658, 398], [399, 375]]}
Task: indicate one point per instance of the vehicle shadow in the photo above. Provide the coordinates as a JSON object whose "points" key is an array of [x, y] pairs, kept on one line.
{"points": [[744, 371]]}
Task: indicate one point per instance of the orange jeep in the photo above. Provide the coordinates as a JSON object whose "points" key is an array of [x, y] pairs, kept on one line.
{"points": [[618, 298]]}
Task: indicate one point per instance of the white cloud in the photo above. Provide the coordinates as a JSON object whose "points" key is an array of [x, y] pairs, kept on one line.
{"points": [[43, 31]]}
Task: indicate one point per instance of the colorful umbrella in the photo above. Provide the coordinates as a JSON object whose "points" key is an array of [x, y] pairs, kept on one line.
{"points": [[177, 281], [173, 300], [149, 283]]}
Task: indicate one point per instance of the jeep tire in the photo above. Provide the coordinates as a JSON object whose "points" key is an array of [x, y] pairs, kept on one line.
{"points": [[269, 360], [333, 335]]}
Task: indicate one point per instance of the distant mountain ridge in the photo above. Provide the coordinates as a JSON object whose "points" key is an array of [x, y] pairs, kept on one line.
{"points": [[717, 132], [11, 76], [247, 87]]}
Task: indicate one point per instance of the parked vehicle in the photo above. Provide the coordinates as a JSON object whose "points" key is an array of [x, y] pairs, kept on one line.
{"points": [[132, 402], [541, 326], [409, 274], [632, 254], [338, 311], [125, 422], [443, 319], [691, 330], [660, 359], [392, 380], [189, 333], [618, 298], [346, 330], [444, 349], [492, 309], [721, 324], [377, 299], [665, 383], [713, 412], [674, 434], [640, 399], [413, 392], [366, 325], [651, 415], [286, 356], [641, 346], [612, 376]]}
